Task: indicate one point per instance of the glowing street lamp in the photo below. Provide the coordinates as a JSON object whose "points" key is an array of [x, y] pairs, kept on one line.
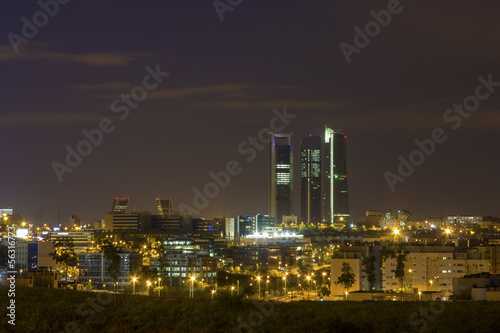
{"points": [[258, 279], [213, 292], [395, 232], [133, 285], [309, 290], [447, 232], [148, 284], [419, 295], [192, 286], [232, 288], [284, 279]]}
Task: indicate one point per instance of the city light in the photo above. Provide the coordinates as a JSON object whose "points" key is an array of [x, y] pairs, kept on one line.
{"points": [[274, 235]]}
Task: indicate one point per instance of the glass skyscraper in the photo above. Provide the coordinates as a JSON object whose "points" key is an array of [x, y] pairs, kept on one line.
{"points": [[310, 178], [335, 202], [281, 176]]}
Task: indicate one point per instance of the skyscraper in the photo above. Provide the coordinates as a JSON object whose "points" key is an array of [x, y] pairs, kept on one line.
{"points": [[281, 176], [335, 207], [164, 206], [120, 205], [310, 177]]}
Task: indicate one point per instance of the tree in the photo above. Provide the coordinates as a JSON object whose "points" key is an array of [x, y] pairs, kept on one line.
{"points": [[112, 253], [369, 264], [324, 291], [64, 253], [4, 257], [163, 263], [399, 273], [347, 278]]}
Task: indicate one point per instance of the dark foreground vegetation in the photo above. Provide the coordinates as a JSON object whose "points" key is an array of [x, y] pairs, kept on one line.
{"points": [[44, 310]]}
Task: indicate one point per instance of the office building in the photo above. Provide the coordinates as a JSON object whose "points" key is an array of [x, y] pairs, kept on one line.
{"points": [[183, 258], [81, 239], [171, 223], [245, 225], [335, 197], [32, 255], [464, 221], [93, 266], [281, 176], [74, 222], [6, 211], [120, 205], [164, 206], [310, 179]]}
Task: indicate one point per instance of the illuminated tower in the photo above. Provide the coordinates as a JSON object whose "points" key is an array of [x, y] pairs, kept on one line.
{"points": [[120, 205], [164, 206], [335, 206], [281, 176], [310, 179]]}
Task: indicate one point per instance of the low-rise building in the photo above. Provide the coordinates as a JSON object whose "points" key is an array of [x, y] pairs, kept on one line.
{"points": [[476, 286], [93, 267]]}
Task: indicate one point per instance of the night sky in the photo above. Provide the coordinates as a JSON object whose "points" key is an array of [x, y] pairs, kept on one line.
{"points": [[225, 79]]}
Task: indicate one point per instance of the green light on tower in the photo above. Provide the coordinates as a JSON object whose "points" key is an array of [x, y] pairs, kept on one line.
{"points": [[328, 134]]}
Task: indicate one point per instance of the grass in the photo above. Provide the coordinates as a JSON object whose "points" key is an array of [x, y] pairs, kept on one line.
{"points": [[45, 310]]}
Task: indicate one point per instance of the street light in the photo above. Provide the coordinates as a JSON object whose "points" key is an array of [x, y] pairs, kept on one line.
{"points": [[419, 295], [258, 279], [232, 288], [284, 279], [192, 286], [309, 290], [396, 233], [213, 292], [148, 284], [133, 285]]}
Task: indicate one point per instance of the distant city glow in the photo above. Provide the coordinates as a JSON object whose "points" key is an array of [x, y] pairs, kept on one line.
{"points": [[275, 235], [22, 233]]}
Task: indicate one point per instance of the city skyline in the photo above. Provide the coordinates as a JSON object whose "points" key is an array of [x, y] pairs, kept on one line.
{"points": [[232, 165]]}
